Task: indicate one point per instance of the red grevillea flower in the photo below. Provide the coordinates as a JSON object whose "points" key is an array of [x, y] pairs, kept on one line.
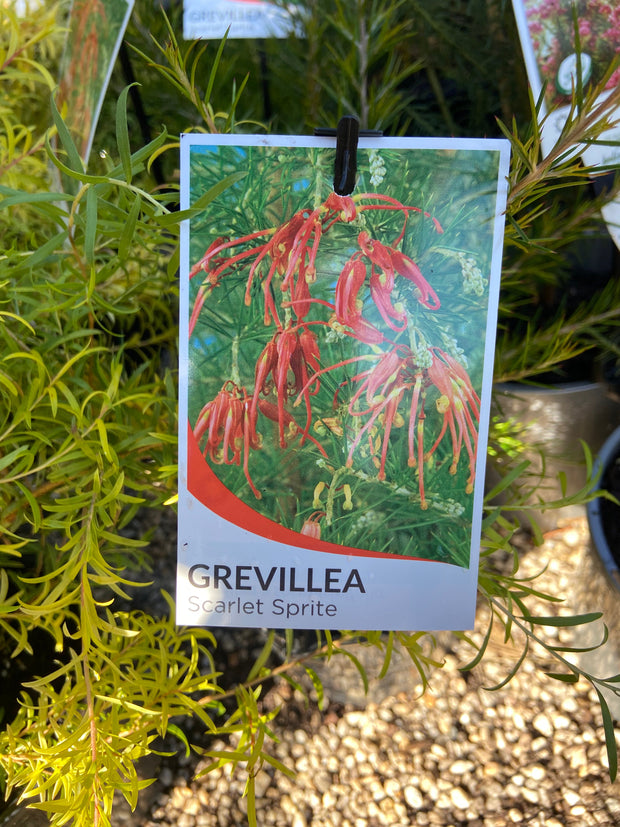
{"points": [[385, 264], [348, 305], [230, 426], [383, 387], [460, 406], [291, 428], [290, 250], [282, 367], [312, 525]]}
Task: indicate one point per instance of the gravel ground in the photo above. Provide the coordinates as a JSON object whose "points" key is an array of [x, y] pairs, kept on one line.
{"points": [[531, 753]]}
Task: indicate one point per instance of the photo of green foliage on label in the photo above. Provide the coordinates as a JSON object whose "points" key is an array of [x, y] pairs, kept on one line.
{"points": [[337, 343]]}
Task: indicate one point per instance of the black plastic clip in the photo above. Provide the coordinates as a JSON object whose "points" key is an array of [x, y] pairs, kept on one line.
{"points": [[345, 166]]}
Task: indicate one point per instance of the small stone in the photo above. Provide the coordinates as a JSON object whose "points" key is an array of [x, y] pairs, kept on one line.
{"points": [[543, 725], [192, 806], [459, 767], [413, 797], [535, 771], [459, 798], [490, 769], [571, 798], [444, 802], [578, 757]]}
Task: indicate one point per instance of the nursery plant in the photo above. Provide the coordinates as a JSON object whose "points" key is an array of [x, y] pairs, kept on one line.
{"points": [[88, 423]]}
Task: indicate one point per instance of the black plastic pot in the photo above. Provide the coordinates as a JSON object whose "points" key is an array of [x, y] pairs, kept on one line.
{"points": [[604, 515], [597, 586]]}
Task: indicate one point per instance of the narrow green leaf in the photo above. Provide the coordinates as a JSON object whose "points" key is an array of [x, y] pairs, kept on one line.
{"points": [[578, 649], [289, 637], [90, 232], [507, 481], [122, 133], [565, 677], [389, 648], [71, 173], [126, 239], [54, 244], [480, 653], [200, 203], [344, 651], [30, 198], [74, 159], [318, 685], [214, 66], [512, 672], [563, 482], [278, 765], [263, 657], [141, 155], [573, 620], [295, 685], [173, 729], [9, 458], [35, 510], [174, 261], [610, 736], [251, 795]]}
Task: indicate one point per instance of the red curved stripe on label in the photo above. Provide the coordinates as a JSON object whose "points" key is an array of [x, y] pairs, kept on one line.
{"points": [[203, 483]]}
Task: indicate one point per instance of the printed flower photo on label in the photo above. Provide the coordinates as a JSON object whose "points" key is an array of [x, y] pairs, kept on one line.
{"points": [[336, 343]]}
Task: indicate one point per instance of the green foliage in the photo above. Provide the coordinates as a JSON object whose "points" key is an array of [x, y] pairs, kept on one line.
{"points": [[88, 399], [552, 220]]}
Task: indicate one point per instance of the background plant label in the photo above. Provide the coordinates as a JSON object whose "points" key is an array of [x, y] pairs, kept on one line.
{"points": [[209, 19], [96, 30], [336, 357], [552, 57]]}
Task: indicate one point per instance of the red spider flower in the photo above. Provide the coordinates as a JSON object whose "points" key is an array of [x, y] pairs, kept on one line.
{"points": [[272, 412], [214, 263], [312, 525], [230, 426], [383, 386], [389, 203], [386, 262], [283, 367], [460, 405], [348, 306]]}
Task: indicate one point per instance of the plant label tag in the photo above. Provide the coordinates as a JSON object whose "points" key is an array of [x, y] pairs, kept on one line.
{"points": [[95, 33], [215, 19], [553, 57], [336, 358]]}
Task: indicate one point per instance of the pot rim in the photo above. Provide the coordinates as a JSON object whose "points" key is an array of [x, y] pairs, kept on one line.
{"points": [[609, 450], [525, 389]]}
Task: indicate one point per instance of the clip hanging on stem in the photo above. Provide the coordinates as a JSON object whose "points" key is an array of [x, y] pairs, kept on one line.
{"points": [[345, 166]]}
